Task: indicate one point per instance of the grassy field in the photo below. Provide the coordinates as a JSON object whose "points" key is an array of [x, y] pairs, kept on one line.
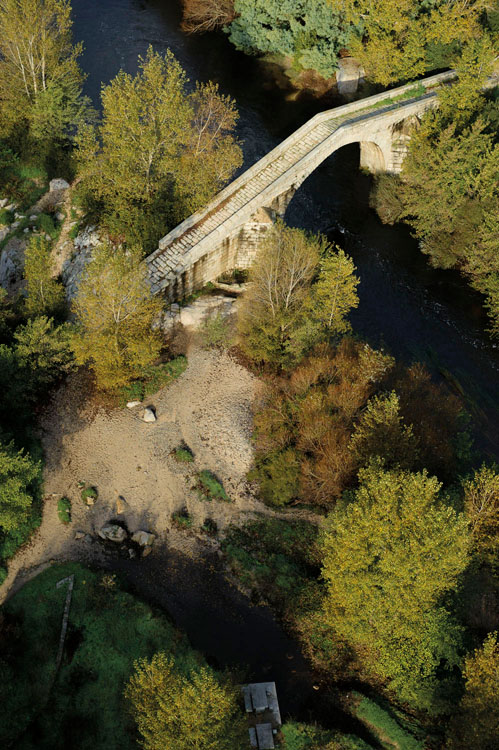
{"points": [[81, 706]]}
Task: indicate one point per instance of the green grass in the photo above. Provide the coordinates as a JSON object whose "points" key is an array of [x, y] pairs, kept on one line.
{"points": [[298, 736], [183, 454], [274, 557], [182, 519], [154, 378], [89, 492], [388, 731], [108, 630], [210, 488], [64, 510]]}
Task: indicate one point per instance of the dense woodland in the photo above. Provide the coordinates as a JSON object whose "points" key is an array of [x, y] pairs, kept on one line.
{"points": [[392, 585]]}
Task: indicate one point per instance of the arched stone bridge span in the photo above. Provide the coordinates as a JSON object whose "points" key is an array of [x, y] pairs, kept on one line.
{"points": [[225, 234]]}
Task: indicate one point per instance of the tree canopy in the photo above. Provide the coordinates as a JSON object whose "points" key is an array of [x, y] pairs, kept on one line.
{"points": [[17, 473], [115, 312], [174, 711], [389, 556], [40, 80], [301, 290], [160, 152], [308, 31]]}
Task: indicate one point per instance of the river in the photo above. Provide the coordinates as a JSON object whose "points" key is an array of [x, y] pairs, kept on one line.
{"points": [[415, 312]]}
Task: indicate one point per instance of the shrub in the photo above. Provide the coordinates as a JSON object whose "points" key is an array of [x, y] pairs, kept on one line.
{"points": [[209, 527], [216, 332], [132, 392], [64, 510], [46, 224], [278, 476], [182, 519], [3, 574], [89, 492], [74, 231], [210, 488], [6, 217], [183, 454]]}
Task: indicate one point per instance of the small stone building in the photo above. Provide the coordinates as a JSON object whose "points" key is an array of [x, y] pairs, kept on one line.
{"points": [[262, 708]]}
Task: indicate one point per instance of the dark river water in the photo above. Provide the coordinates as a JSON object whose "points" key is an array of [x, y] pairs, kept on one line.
{"points": [[413, 311]]}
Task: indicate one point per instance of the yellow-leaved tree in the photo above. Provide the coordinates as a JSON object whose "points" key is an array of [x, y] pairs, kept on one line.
{"points": [[115, 311], [174, 711], [400, 39], [389, 556], [476, 723]]}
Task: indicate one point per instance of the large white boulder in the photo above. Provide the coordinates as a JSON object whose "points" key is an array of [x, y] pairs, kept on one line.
{"points": [[58, 184], [143, 538], [149, 414], [113, 533]]}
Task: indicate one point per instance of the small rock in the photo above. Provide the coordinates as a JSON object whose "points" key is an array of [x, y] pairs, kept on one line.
{"points": [[48, 237], [10, 207], [33, 217], [146, 551], [3, 202], [26, 230], [58, 184], [149, 414], [19, 216], [89, 538], [132, 404], [132, 553], [121, 505], [113, 533], [60, 216], [90, 501], [79, 534], [143, 538]]}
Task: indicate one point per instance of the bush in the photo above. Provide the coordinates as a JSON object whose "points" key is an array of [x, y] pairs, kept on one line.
{"points": [[182, 519], [89, 492], [278, 475], [209, 527], [46, 224], [183, 454], [386, 198], [3, 574], [64, 510], [74, 231], [210, 488], [216, 332], [6, 217], [154, 378]]}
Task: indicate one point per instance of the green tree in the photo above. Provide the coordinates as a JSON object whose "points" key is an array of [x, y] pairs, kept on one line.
{"points": [[381, 433], [335, 292], [178, 712], [397, 39], [17, 472], [388, 558], [40, 80], [308, 31], [283, 312], [44, 353], [481, 504], [45, 295], [476, 722], [115, 312], [160, 152]]}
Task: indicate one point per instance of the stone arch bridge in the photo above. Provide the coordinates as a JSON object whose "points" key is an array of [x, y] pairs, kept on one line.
{"points": [[225, 234]]}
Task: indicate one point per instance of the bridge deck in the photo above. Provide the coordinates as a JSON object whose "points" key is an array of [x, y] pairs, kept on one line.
{"points": [[180, 247]]}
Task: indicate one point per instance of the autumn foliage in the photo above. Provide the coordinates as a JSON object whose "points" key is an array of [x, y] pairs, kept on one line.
{"points": [[341, 408]]}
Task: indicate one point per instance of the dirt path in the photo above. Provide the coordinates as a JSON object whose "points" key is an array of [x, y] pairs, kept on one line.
{"points": [[208, 407]]}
